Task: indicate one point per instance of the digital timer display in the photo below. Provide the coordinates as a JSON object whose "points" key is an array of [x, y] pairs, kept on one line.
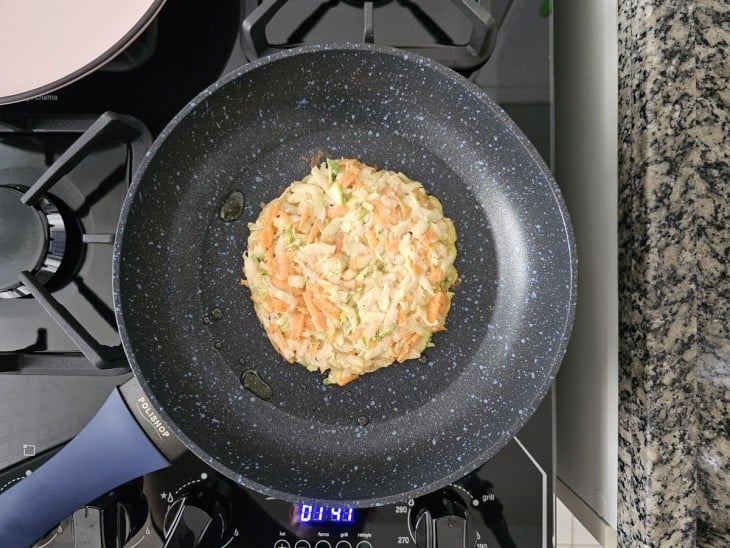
{"points": [[318, 514]]}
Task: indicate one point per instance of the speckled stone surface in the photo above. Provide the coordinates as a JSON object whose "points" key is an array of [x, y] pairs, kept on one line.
{"points": [[674, 449]]}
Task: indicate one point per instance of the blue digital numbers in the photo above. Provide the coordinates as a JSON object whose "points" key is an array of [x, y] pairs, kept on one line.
{"points": [[317, 514]]}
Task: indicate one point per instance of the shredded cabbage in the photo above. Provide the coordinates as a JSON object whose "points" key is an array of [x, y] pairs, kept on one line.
{"points": [[350, 269]]}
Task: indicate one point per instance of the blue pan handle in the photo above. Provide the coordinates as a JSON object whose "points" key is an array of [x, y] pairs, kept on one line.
{"points": [[112, 449]]}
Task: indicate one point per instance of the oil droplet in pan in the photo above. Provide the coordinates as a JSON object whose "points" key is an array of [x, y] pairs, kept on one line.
{"points": [[252, 382], [232, 207], [363, 420]]}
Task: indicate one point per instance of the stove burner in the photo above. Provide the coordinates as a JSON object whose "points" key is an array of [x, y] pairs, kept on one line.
{"points": [[32, 238], [361, 3], [427, 29], [72, 207]]}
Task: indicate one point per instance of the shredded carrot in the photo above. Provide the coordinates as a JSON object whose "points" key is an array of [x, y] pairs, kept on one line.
{"points": [[429, 236], [277, 305], [283, 263], [315, 313], [358, 331], [372, 239], [407, 346], [382, 213], [314, 232], [297, 325], [327, 307], [349, 378], [277, 338], [348, 177], [284, 286], [337, 211], [436, 274], [434, 306], [339, 241], [350, 174], [304, 219], [267, 234]]}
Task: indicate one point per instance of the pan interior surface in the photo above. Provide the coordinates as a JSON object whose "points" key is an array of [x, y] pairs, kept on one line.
{"points": [[190, 330]]}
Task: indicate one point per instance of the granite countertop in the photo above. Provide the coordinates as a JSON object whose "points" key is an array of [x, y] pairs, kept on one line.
{"points": [[674, 292]]}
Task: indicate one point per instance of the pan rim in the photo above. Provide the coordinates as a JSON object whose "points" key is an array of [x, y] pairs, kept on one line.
{"points": [[528, 148]]}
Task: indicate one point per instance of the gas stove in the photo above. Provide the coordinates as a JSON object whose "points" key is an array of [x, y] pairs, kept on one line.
{"points": [[66, 160]]}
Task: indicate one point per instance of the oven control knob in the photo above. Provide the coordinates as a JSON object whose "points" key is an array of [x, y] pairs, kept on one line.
{"points": [[443, 521], [112, 519], [198, 518]]}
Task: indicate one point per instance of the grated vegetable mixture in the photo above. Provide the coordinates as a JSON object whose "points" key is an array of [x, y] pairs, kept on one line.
{"points": [[350, 269]]}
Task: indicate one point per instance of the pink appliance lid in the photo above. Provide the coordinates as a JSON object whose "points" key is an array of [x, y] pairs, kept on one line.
{"points": [[47, 45]]}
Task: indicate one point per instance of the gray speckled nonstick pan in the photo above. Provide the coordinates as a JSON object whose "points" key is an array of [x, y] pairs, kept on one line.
{"points": [[190, 331]]}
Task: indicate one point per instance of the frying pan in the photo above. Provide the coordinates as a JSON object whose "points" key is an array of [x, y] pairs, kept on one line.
{"points": [[191, 335]]}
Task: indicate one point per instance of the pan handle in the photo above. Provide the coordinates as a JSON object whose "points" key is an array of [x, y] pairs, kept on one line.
{"points": [[112, 449]]}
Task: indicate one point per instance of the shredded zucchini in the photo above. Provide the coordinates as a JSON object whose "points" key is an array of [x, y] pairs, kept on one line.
{"points": [[350, 269]]}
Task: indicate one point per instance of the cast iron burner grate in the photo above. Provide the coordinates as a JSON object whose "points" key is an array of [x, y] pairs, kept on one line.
{"points": [[465, 57], [38, 257]]}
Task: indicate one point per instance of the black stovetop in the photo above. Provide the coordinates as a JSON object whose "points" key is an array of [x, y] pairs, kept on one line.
{"points": [[49, 390]]}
